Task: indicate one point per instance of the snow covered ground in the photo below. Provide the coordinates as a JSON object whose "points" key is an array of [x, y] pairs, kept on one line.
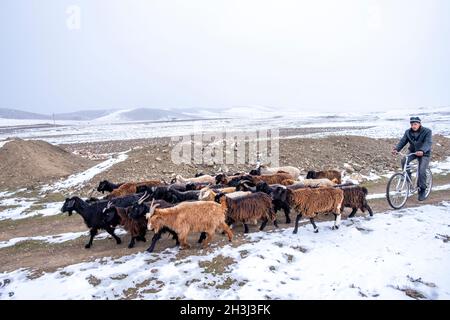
{"points": [[79, 179], [394, 255], [377, 124], [19, 207], [57, 238]]}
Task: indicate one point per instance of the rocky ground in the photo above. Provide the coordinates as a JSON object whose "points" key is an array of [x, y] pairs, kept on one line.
{"points": [[356, 155]]}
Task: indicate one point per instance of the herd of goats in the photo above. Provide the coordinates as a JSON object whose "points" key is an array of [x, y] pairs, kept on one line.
{"points": [[208, 203]]}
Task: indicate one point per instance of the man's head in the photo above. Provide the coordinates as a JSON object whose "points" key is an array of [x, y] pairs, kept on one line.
{"points": [[415, 123]]}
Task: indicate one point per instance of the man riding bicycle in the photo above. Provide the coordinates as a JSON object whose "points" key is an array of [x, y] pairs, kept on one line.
{"points": [[419, 139]]}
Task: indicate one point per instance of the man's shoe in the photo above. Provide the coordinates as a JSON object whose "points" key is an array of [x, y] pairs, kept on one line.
{"points": [[422, 194]]}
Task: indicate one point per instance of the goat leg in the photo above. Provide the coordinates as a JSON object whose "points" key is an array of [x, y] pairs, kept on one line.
{"points": [[245, 228], [111, 232], [155, 239], [131, 244], [93, 233], [228, 231], [174, 236], [352, 214], [263, 224], [286, 213], [369, 209], [202, 237], [316, 230], [208, 239], [275, 223], [337, 221], [297, 219]]}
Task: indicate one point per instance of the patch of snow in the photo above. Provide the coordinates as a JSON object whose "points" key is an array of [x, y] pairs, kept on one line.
{"points": [[22, 206], [383, 195], [2, 143], [58, 238], [367, 258], [440, 167], [79, 179]]}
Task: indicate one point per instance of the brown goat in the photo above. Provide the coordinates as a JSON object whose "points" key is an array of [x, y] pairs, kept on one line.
{"points": [[248, 208], [276, 178], [332, 175], [312, 201], [355, 198], [202, 216], [222, 178], [131, 188], [136, 228]]}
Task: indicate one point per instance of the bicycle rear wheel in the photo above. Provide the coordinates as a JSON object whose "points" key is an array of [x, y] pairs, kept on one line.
{"points": [[397, 190]]}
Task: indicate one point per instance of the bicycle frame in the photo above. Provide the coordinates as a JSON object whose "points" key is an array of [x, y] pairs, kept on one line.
{"points": [[408, 167]]}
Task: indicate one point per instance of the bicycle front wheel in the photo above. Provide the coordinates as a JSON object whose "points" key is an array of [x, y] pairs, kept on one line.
{"points": [[397, 190]]}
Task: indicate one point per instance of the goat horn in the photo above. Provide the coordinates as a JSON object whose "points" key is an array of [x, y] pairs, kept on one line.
{"points": [[152, 208], [148, 196], [109, 205], [141, 200]]}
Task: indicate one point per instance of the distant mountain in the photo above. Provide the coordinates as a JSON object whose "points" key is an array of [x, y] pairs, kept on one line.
{"points": [[6, 113], [84, 115], [144, 114]]}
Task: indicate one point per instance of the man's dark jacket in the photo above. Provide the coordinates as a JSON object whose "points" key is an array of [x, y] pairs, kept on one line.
{"points": [[421, 141]]}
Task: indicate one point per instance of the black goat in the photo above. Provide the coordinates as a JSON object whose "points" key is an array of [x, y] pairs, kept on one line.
{"points": [[138, 211], [174, 196], [105, 185], [278, 193], [93, 215]]}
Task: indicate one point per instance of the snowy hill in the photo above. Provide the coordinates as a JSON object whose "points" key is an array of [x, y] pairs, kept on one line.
{"points": [[143, 114], [6, 113]]}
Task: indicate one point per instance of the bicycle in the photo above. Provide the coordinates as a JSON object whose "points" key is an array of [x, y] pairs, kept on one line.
{"points": [[400, 186]]}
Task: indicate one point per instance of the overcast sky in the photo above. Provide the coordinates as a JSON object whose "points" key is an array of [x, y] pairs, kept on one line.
{"points": [[312, 55]]}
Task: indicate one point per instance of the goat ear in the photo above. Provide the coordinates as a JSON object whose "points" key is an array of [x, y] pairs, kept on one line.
{"points": [[110, 216]]}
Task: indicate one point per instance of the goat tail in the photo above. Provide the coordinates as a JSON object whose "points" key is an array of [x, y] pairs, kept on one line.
{"points": [[272, 214], [364, 189]]}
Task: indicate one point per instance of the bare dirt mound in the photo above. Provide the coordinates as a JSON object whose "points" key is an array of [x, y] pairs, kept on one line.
{"points": [[25, 163]]}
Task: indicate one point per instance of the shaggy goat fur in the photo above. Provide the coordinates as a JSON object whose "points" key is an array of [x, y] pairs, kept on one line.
{"points": [[107, 186], [311, 201], [332, 175], [247, 208], [276, 178], [186, 217], [132, 187], [136, 227], [355, 198]]}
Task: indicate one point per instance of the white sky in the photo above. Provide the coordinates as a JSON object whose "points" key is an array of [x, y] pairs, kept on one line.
{"points": [[312, 55]]}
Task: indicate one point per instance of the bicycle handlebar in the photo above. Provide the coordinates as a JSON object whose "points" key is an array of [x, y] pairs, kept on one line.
{"points": [[406, 155]]}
